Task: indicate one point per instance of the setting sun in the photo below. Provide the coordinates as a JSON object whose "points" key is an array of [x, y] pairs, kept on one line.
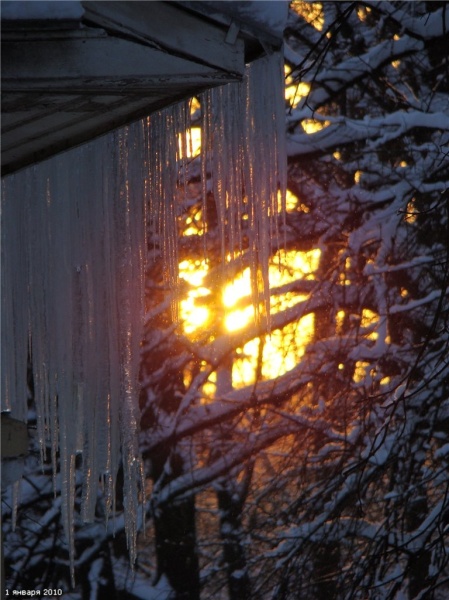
{"points": [[193, 315], [282, 349]]}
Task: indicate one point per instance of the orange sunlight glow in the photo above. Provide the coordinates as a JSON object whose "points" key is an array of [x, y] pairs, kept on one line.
{"points": [[193, 315], [280, 351], [313, 125], [294, 91], [312, 12], [276, 353], [193, 143]]}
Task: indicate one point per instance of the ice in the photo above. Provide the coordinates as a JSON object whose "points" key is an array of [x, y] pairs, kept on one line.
{"points": [[243, 162], [15, 325], [245, 141], [74, 247]]}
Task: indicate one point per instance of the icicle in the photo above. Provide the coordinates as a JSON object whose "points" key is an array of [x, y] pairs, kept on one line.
{"points": [[14, 322], [15, 502], [205, 158], [245, 135], [73, 248], [73, 253], [168, 169]]}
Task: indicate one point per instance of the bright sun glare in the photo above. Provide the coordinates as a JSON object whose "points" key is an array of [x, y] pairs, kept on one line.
{"points": [[281, 350], [193, 315], [274, 354]]}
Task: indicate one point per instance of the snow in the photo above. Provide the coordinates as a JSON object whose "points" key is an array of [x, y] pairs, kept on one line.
{"points": [[428, 26], [431, 297], [354, 68], [41, 10], [443, 451], [272, 15], [268, 15], [379, 130], [160, 591]]}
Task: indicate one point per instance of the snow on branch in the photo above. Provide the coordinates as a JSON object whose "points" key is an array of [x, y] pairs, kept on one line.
{"points": [[434, 295], [424, 27], [224, 408], [198, 478], [378, 131], [328, 83]]}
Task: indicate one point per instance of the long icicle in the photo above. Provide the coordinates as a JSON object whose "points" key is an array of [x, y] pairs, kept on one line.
{"points": [[246, 137], [73, 261]]}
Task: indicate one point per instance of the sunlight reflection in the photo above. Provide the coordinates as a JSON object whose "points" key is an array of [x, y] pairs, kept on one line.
{"points": [[294, 92], [193, 143]]}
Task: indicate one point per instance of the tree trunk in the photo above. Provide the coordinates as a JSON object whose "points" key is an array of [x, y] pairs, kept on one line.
{"points": [[230, 506], [175, 533], [231, 496], [177, 557]]}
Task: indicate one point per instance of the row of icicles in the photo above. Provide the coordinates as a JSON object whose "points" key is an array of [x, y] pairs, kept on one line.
{"points": [[75, 230]]}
